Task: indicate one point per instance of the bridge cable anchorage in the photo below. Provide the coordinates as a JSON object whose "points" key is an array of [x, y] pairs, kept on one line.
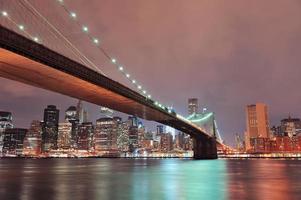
{"points": [[31, 8], [96, 42]]}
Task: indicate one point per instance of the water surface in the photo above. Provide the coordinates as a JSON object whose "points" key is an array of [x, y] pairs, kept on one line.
{"points": [[152, 179]]}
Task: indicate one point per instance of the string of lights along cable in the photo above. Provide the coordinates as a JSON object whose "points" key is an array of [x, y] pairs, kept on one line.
{"points": [[96, 41]]}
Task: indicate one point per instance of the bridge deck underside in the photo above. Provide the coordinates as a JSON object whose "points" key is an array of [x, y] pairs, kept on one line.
{"points": [[25, 61], [19, 68]]}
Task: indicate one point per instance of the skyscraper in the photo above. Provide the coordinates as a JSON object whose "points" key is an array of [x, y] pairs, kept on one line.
{"points": [[105, 135], [64, 135], [133, 133], [80, 111], [71, 116], [166, 142], [192, 106], [257, 123], [5, 123], [32, 141], [50, 128], [13, 141], [123, 136], [85, 136]]}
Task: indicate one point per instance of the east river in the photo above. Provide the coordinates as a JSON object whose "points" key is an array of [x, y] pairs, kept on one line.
{"points": [[152, 179]]}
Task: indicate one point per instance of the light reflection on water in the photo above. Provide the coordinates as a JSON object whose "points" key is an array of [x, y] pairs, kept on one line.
{"points": [[140, 179]]}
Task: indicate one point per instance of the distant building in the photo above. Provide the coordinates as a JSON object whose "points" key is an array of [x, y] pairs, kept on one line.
{"points": [[80, 111], [133, 133], [192, 106], [290, 126], [13, 141], [257, 123], [5, 123], [71, 116], [123, 141], [105, 135], [179, 140], [166, 143], [33, 139], [50, 128], [64, 135], [85, 136], [141, 134]]}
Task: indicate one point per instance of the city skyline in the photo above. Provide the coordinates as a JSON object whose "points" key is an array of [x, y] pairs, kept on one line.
{"points": [[212, 65]]}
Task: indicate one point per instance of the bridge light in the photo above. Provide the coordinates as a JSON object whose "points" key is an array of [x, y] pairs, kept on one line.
{"points": [[156, 103], [169, 111], [95, 40], [36, 39], [73, 14], [144, 92], [85, 29], [127, 75], [149, 96], [139, 87], [133, 81], [113, 60], [61, 1], [21, 27], [120, 68], [4, 13]]}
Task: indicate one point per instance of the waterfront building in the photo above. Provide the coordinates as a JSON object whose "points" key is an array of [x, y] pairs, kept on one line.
{"points": [[133, 133], [71, 116], [5, 123], [105, 136], [166, 142], [80, 111], [192, 106], [290, 126], [64, 135], [179, 140], [123, 141], [257, 123], [50, 128], [13, 141], [85, 136], [33, 139]]}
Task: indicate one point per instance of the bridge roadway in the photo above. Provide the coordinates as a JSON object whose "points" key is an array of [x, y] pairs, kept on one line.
{"points": [[31, 63]]}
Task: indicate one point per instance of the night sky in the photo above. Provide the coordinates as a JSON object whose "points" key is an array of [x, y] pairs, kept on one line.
{"points": [[225, 53]]}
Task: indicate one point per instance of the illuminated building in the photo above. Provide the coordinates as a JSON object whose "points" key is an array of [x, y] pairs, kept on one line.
{"points": [[160, 129], [133, 133], [5, 123], [192, 106], [179, 140], [72, 117], [50, 128], [290, 126], [141, 134], [85, 136], [80, 112], [123, 137], [13, 141], [33, 140], [64, 135], [257, 123], [166, 143], [105, 135]]}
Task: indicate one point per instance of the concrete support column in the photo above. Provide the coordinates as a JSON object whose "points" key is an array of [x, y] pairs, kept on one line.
{"points": [[204, 148]]}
